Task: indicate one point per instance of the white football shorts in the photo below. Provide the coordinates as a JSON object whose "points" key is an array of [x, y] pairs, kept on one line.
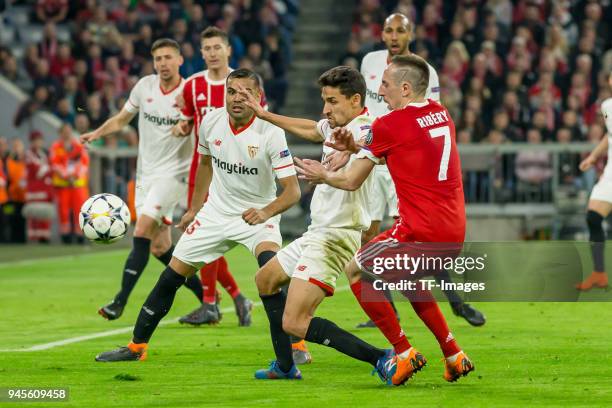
{"points": [[602, 191], [319, 256], [157, 198], [212, 234]]}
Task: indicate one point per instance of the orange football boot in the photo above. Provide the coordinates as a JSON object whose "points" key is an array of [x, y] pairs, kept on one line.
{"points": [[459, 368], [407, 367], [596, 279]]}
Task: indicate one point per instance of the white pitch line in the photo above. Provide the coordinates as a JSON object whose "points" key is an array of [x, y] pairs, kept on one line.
{"points": [[27, 262], [71, 340], [53, 344]]}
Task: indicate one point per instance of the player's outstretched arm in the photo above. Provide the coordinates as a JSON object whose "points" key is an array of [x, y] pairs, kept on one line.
{"points": [[286, 199], [591, 159], [304, 128], [202, 183], [349, 178], [112, 125]]}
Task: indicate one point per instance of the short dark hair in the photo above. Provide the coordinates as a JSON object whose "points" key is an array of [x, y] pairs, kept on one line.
{"points": [[348, 81], [244, 73], [212, 31], [165, 42], [414, 69]]}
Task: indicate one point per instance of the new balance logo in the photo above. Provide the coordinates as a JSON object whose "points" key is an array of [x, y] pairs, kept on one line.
{"points": [[131, 272]]}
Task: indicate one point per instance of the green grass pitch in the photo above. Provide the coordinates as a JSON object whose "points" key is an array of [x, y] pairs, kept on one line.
{"points": [[528, 354]]}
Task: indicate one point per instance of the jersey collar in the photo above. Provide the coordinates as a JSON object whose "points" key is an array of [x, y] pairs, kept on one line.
{"points": [[418, 104], [235, 131], [215, 82], [171, 90]]}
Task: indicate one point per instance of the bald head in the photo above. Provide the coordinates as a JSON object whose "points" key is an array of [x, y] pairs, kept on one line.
{"points": [[397, 34], [399, 18]]}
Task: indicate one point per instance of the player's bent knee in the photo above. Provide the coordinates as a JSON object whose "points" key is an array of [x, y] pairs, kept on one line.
{"points": [[269, 278], [181, 267], [158, 249], [295, 326], [145, 227], [262, 281]]}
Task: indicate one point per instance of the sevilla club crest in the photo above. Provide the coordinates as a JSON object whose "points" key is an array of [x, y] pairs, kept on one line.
{"points": [[253, 151]]}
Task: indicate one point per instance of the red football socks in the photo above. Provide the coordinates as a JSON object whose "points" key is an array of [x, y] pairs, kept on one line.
{"points": [[428, 311], [226, 279], [208, 276], [379, 310]]}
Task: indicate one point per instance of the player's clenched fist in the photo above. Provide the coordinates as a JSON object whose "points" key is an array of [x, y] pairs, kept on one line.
{"points": [[253, 216], [182, 128], [187, 219]]}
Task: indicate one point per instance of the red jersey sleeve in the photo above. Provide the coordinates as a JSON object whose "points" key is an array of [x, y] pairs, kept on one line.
{"points": [[188, 109], [380, 139]]}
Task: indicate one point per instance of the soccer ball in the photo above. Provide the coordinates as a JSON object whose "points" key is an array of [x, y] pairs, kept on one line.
{"points": [[104, 218]]}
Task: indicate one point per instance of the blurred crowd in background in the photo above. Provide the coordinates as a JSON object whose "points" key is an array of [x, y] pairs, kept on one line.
{"points": [[85, 74], [79, 59], [531, 71]]}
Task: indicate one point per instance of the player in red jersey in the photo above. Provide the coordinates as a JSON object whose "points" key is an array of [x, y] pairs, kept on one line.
{"points": [[204, 92], [417, 140]]}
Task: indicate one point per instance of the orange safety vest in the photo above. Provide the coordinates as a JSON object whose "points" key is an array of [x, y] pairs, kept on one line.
{"points": [[70, 166], [3, 183], [16, 172]]}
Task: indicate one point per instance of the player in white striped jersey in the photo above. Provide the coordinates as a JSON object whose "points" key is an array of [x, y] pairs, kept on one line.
{"points": [[600, 202], [162, 167], [240, 157], [313, 262], [397, 34]]}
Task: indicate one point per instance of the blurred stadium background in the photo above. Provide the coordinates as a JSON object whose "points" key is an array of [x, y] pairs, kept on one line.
{"points": [[523, 80]]}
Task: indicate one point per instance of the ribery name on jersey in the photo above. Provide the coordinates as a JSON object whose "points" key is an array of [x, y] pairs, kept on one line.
{"points": [[230, 168], [160, 121], [433, 118]]}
